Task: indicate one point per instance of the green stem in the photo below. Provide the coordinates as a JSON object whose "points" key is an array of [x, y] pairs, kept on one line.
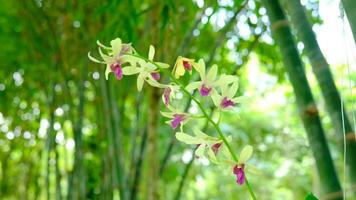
{"points": [[215, 125]]}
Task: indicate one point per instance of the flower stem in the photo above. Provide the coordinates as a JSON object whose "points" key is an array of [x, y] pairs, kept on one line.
{"points": [[215, 125]]}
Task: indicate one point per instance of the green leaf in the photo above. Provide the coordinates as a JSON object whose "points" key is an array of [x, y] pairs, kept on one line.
{"points": [[310, 196]]}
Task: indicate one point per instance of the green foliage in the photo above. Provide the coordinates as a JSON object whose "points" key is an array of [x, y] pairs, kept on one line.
{"points": [[44, 71]]}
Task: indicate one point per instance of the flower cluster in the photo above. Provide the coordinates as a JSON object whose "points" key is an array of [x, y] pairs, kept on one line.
{"points": [[122, 60]]}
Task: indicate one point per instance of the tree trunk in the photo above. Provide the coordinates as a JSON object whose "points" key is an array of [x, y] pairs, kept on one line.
{"points": [[152, 149], [350, 10], [324, 77], [305, 102]]}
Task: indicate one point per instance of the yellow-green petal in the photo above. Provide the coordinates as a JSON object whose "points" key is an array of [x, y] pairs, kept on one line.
{"points": [[245, 154], [103, 46], [94, 59], [200, 150], [130, 70], [185, 138], [192, 86], [210, 77], [151, 53], [107, 71], [116, 46], [140, 81], [200, 67]]}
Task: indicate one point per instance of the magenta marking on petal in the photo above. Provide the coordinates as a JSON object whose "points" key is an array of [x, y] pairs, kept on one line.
{"points": [[204, 90], [187, 65], [226, 103], [239, 171], [155, 75], [216, 147], [177, 120], [116, 68], [166, 95]]}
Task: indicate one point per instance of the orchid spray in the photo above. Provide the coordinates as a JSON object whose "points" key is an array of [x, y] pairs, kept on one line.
{"points": [[122, 60]]}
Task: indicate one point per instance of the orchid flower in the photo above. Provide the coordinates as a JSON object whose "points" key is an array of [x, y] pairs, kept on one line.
{"points": [[226, 99], [182, 64], [168, 93], [177, 118], [206, 143], [115, 57], [208, 80], [146, 71], [206, 84], [240, 167]]}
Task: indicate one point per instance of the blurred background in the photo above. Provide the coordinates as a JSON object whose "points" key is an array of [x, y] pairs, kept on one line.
{"points": [[67, 133]]}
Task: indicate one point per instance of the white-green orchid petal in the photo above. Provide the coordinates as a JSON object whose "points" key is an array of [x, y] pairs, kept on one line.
{"points": [[233, 89], [167, 114], [130, 59], [204, 136], [116, 46], [252, 169], [108, 59], [200, 67], [140, 81], [151, 53], [103, 46], [162, 65], [240, 99], [216, 98], [192, 86], [226, 153], [212, 73], [107, 71], [212, 157], [154, 83], [224, 89], [245, 154], [185, 138], [130, 70], [225, 80], [200, 150], [94, 59]]}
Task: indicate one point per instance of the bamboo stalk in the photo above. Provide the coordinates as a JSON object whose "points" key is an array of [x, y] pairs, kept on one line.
{"points": [[305, 102], [350, 10], [325, 80]]}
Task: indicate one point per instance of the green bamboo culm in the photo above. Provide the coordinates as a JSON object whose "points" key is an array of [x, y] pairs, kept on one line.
{"points": [[325, 79], [305, 102], [350, 10]]}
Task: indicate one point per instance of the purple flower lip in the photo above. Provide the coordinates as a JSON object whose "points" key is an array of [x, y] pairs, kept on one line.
{"points": [[239, 171], [156, 76], [216, 147], [166, 94], [227, 103], [177, 120], [187, 65], [204, 90], [116, 68]]}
